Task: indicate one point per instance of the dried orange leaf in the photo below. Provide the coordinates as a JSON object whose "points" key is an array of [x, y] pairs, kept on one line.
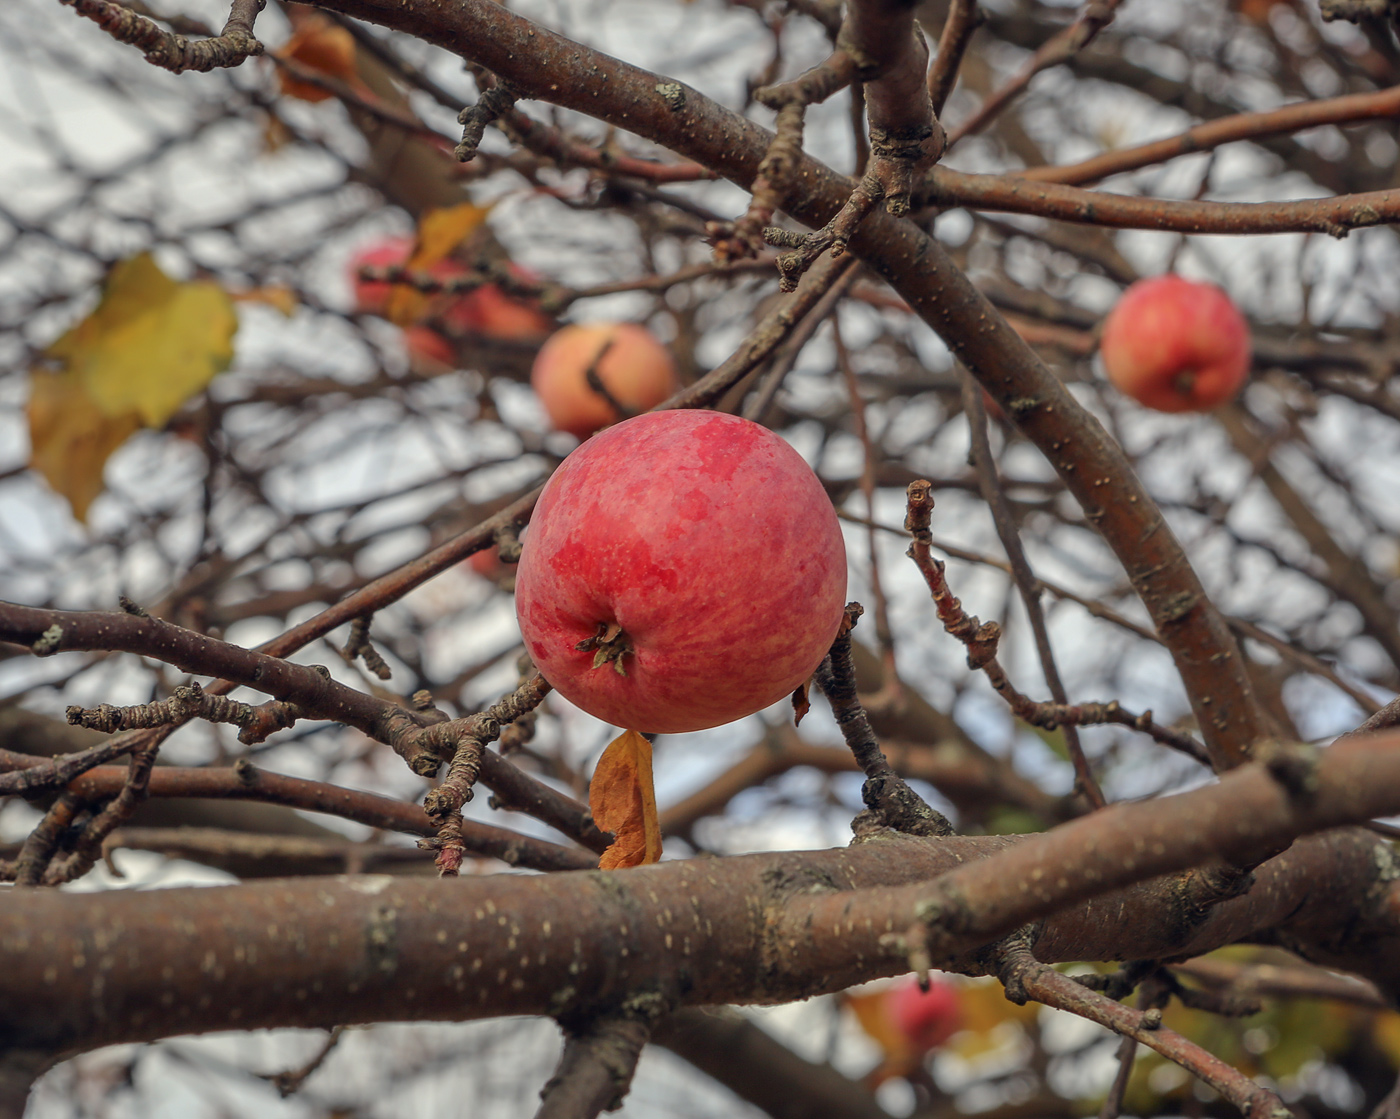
{"points": [[900, 1057], [623, 801], [322, 46], [151, 344], [70, 437], [800, 703]]}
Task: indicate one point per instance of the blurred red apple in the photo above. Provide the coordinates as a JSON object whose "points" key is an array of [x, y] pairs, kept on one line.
{"points": [[486, 563], [682, 569], [635, 368], [429, 353], [926, 1019], [372, 296], [1176, 346], [490, 312]]}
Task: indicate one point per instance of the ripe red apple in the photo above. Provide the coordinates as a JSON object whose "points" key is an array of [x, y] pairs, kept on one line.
{"points": [[925, 1019], [428, 351], [635, 368], [1176, 345], [490, 312], [682, 569]]}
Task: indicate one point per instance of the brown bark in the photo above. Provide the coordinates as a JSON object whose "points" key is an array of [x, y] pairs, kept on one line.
{"points": [[77, 971]]}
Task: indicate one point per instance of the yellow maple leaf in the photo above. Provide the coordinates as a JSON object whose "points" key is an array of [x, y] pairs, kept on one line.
{"points": [[623, 801], [440, 231], [71, 438], [151, 343]]}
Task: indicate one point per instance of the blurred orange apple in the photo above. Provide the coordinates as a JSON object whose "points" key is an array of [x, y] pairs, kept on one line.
{"points": [[1176, 345], [634, 368]]}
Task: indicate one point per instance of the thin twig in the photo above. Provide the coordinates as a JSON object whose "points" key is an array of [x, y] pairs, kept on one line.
{"points": [[1095, 16], [980, 457], [964, 18], [982, 638], [886, 794]]}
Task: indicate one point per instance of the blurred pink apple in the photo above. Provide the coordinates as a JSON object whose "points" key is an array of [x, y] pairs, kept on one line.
{"points": [[1176, 346]]}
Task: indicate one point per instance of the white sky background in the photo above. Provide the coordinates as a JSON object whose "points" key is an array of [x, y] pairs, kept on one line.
{"points": [[180, 202]]}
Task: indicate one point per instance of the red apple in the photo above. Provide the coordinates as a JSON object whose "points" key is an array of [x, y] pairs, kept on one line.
{"points": [[428, 351], [1176, 346], [486, 563], [682, 569], [925, 1019], [635, 368], [371, 296], [492, 313]]}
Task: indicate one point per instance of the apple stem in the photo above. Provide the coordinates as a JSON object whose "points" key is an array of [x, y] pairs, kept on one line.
{"points": [[611, 644]]}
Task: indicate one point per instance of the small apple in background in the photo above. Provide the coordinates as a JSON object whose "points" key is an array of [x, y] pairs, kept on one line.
{"points": [[635, 368], [492, 313], [926, 1019], [906, 1023], [429, 353], [372, 296], [1176, 345], [486, 310], [682, 569], [486, 563]]}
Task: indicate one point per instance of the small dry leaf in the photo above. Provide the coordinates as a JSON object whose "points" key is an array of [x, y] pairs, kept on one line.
{"points": [[318, 45], [70, 437], [277, 296], [440, 231], [800, 703], [899, 1056], [623, 801]]}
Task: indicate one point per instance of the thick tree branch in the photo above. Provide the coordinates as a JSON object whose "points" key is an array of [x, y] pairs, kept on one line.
{"points": [[756, 928], [174, 52]]}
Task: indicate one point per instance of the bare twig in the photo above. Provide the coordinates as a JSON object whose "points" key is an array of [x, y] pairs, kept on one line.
{"points": [[892, 803], [599, 1058], [1093, 18], [980, 455], [982, 638], [1026, 977], [964, 18], [174, 52]]}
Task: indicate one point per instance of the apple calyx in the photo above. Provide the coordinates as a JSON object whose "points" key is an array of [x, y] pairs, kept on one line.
{"points": [[1185, 382], [611, 645]]}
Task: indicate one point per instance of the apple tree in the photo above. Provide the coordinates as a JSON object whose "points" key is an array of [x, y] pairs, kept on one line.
{"points": [[294, 329]]}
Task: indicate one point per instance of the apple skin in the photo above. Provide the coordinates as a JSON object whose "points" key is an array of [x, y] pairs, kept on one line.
{"points": [[925, 1019], [636, 369], [1176, 345], [713, 546]]}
